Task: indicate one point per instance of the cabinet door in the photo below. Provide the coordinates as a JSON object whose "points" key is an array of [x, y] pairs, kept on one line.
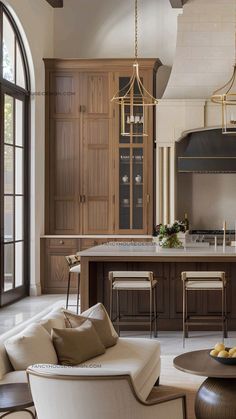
{"points": [[133, 165], [64, 94], [96, 155], [54, 266], [64, 170]]}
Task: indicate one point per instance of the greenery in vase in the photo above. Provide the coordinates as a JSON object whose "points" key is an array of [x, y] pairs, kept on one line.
{"points": [[167, 234]]}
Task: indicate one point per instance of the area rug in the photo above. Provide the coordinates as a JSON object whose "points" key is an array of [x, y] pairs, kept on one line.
{"points": [[187, 383]]}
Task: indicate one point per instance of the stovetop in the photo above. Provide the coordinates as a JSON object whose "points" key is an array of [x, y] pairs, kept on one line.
{"points": [[211, 232]]}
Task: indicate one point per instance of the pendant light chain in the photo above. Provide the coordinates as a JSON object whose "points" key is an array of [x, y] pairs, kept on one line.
{"points": [[235, 34], [136, 30]]}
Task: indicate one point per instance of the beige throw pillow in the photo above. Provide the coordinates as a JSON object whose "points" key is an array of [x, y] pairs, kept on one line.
{"points": [[54, 319], [74, 346], [100, 319], [32, 346]]}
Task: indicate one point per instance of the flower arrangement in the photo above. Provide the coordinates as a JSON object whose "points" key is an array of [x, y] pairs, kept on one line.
{"points": [[167, 234]]}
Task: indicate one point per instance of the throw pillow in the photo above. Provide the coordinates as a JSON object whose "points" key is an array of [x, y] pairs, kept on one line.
{"points": [[53, 319], [100, 319], [32, 346], [77, 345]]}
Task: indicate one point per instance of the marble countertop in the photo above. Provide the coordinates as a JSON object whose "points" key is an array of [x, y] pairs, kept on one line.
{"points": [[94, 236], [150, 249]]}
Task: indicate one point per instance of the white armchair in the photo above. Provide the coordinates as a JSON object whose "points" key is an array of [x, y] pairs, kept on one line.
{"points": [[62, 393]]}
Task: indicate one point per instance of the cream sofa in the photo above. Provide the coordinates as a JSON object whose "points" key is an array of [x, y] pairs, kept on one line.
{"points": [[138, 359]]}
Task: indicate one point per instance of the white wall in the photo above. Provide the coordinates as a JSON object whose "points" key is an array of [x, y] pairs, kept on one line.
{"points": [[105, 29], [35, 21]]}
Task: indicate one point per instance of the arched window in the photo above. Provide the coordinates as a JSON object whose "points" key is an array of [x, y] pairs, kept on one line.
{"points": [[14, 163]]}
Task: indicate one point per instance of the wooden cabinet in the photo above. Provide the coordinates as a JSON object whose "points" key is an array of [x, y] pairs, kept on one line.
{"points": [[85, 193], [54, 268]]}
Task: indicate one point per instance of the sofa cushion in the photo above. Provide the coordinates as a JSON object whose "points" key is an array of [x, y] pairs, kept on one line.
{"points": [[32, 346], [76, 345], [140, 358], [100, 319], [54, 319]]}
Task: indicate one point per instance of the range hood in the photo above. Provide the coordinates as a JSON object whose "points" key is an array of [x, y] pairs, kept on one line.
{"points": [[207, 151]]}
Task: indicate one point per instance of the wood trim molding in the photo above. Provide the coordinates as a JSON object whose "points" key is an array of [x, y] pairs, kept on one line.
{"points": [[177, 4], [55, 3]]}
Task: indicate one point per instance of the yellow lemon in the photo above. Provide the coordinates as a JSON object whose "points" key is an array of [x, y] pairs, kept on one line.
{"points": [[223, 354], [232, 350], [214, 352], [219, 347]]}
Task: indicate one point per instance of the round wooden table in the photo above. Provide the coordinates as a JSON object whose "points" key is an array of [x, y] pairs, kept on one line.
{"points": [[15, 398], [216, 398]]}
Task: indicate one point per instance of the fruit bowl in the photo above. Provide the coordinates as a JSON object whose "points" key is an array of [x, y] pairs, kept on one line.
{"points": [[225, 361]]}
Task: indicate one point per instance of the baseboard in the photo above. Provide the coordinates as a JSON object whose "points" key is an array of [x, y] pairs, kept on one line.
{"points": [[35, 290]]}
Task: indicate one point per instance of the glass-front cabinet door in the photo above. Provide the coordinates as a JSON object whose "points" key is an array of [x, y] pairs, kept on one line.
{"points": [[134, 169]]}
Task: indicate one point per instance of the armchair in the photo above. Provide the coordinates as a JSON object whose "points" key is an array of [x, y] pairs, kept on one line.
{"points": [[62, 393]]}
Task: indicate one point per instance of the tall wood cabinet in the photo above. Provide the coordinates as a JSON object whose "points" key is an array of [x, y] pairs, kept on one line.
{"points": [[86, 158]]}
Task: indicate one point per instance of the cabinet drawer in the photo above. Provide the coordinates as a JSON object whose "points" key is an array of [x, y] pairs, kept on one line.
{"points": [[62, 243]]}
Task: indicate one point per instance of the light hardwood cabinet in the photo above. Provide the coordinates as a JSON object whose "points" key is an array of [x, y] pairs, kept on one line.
{"points": [[86, 157]]}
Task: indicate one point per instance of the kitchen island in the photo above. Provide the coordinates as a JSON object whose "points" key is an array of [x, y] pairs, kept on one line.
{"points": [[167, 265]]}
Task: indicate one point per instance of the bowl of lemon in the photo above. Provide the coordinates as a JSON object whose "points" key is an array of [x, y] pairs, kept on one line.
{"points": [[224, 355]]}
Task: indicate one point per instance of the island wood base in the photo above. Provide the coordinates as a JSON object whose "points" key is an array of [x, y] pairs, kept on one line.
{"points": [[167, 271]]}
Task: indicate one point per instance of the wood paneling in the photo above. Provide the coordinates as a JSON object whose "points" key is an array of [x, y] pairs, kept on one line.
{"points": [[169, 290], [97, 94], [64, 177], [64, 95], [54, 268]]}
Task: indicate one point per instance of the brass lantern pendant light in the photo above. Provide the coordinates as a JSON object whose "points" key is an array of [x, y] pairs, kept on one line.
{"points": [[226, 97], [134, 98]]}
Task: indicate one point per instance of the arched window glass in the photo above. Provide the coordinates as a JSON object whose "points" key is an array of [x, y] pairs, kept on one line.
{"points": [[14, 167]]}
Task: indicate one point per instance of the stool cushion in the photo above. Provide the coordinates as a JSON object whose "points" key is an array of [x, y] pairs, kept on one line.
{"points": [[203, 285], [140, 358], [133, 285], [98, 315], [75, 269]]}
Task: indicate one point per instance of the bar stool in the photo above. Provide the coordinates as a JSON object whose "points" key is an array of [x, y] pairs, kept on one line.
{"points": [[204, 281], [133, 281], [74, 267]]}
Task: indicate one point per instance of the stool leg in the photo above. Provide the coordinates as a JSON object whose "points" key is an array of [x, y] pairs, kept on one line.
{"points": [[150, 313], [183, 313], [155, 312], [78, 294], [186, 313], [68, 290], [111, 298], [226, 314], [118, 312]]}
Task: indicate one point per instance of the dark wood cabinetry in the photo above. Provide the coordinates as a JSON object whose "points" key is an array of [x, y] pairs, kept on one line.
{"points": [[84, 166], [169, 289]]}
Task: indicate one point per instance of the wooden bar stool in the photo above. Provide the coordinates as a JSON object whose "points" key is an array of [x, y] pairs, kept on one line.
{"points": [[133, 281], [204, 281], [74, 267]]}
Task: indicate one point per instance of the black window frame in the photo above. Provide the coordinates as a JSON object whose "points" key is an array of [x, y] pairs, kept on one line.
{"points": [[7, 87]]}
